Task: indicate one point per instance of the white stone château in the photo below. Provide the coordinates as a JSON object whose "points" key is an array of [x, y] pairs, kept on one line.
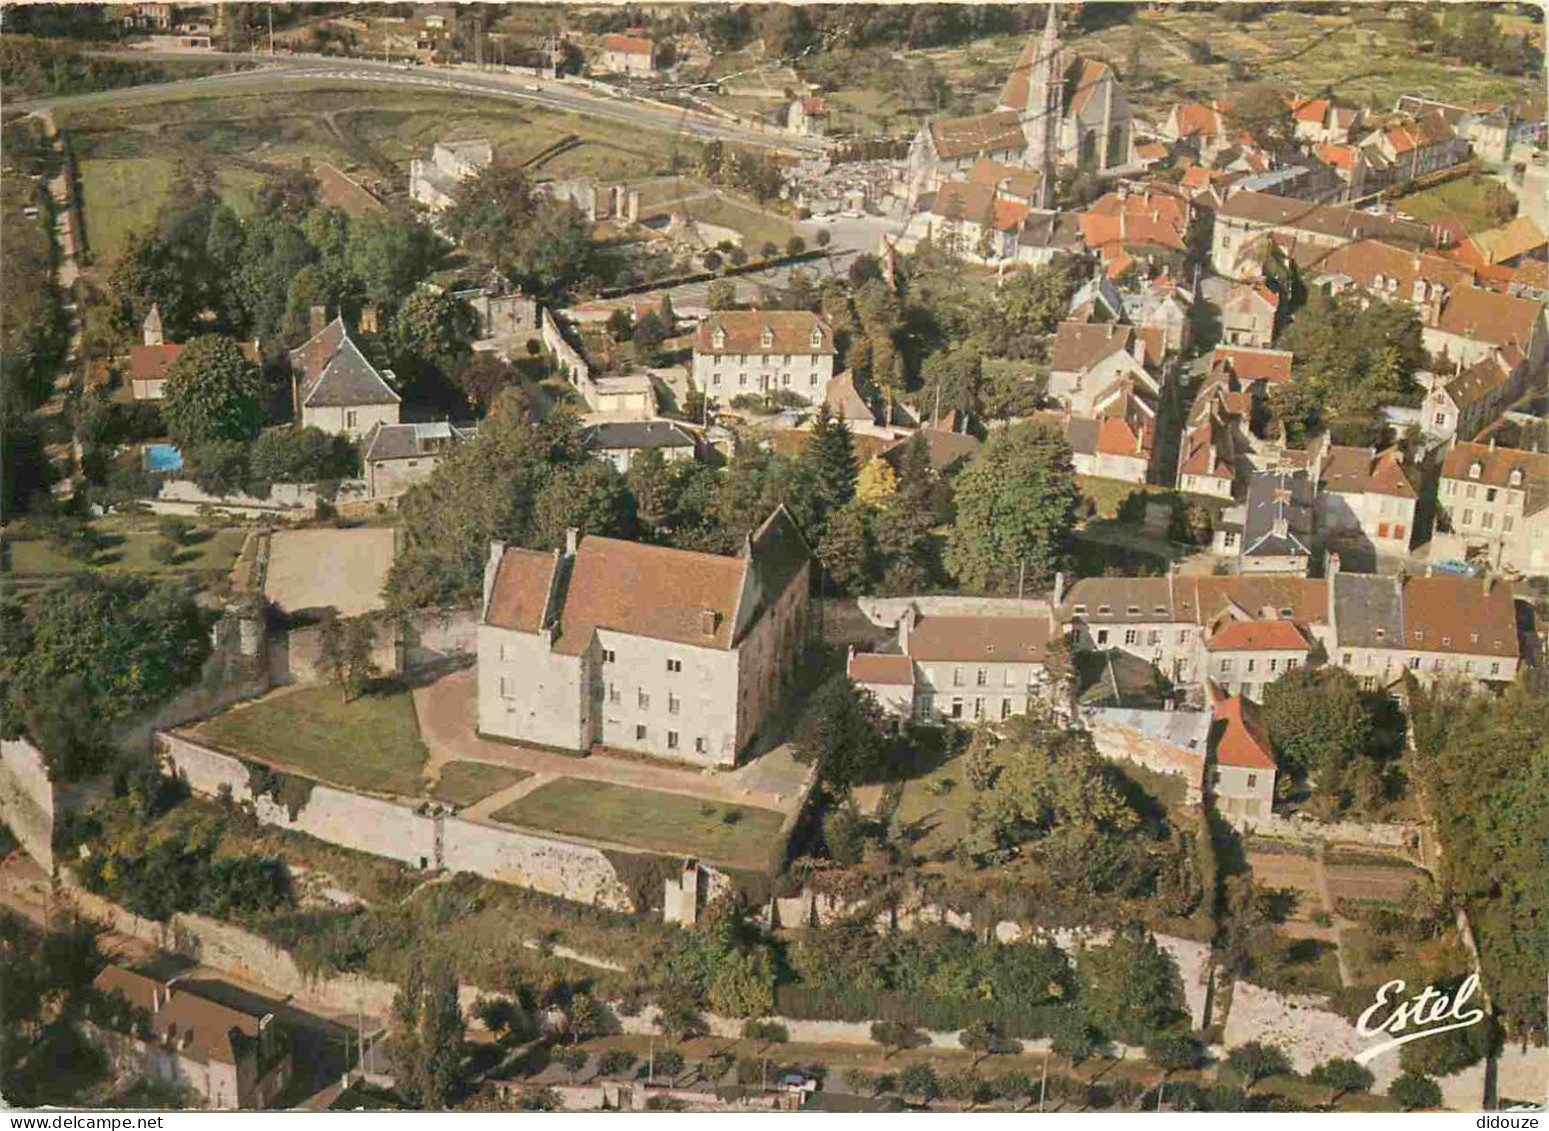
{"points": [[641, 648]]}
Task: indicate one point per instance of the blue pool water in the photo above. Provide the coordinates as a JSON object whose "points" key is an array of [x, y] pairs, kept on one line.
{"points": [[162, 457]]}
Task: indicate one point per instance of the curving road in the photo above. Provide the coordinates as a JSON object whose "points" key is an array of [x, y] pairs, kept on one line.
{"points": [[573, 97]]}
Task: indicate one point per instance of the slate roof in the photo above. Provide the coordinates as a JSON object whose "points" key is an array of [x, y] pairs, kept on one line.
{"points": [[336, 373], [635, 435], [1274, 495], [1322, 219], [1368, 610], [409, 441], [1186, 730]]}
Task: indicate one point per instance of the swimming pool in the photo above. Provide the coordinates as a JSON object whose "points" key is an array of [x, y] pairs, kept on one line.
{"points": [[162, 457]]}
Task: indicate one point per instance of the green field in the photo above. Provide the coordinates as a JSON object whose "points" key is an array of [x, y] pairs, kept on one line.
{"points": [[126, 545], [656, 822], [1479, 202], [463, 783], [371, 743], [934, 811]]}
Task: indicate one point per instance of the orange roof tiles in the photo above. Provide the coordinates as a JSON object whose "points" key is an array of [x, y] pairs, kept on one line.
{"points": [[150, 363], [1001, 640], [790, 331], [1259, 636], [1460, 615], [1244, 739], [982, 133], [1359, 471], [520, 593], [879, 668], [1250, 364]]}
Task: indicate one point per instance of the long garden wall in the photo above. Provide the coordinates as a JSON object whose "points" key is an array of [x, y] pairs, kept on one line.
{"points": [[422, 837]]}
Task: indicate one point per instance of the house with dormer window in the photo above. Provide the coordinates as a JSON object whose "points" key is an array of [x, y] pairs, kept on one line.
{"points": [[758, 352], [1493, 503]]}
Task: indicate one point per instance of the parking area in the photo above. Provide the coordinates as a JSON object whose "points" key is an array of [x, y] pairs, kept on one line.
{"points": [[343, 569]]}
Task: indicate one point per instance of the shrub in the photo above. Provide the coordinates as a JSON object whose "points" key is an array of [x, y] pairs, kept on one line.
{"points": [[1411, 1090], [175, 530]]}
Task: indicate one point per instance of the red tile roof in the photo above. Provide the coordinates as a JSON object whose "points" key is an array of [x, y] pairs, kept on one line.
{"points": [[520, 593], [1250, 364], [878, 668], [1473, 312], [150, 363], [982, 133], [1460, 615], [627, 45], [1360, 471], [790, 331], [999, 640], [1244, 739], [199, 1029], [1080, 345], [1259, 636]]}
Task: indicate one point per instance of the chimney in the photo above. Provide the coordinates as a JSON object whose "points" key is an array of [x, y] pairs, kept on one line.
{"points": [[707, 619], [318, 320], [572, 540], [1281, 527], [1492, 441], [368, 320], [1059, 587], [906, 623], [1332, 567]]}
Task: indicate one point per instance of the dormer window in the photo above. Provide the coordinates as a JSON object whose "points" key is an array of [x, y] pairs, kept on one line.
{"points": [[817, 338], [718, 337], [1104, 610], [1474, 469], [1516, 477], [1381, 632], [1133, 610], [766, 339], [1080, 610]]}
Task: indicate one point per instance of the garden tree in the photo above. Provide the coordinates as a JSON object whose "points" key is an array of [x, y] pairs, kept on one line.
{"points": [[212, 393], [844, 834], [168, 265], [290, 190], [841, 732], [650, 483], [918, 1080], [964, 1086], [617, 1062], [1340, 1075], [1016, 502], [273, 275], [864, 268], [1447, 1053], [1015, 323], [1320, 727], [425, 1041], [847, 549], [45, 982], [97, 649], [1411, 1090], [723, 963], [346, 654], [589, 497], [1130, 989], [482, 490], [795, 246], [573, 1060], [1058, 800], [979, 765], [301, 455], [982, 1037], [542, 244], [1012, 389], [876, 482], [219, 467], [830, 453], [1175, 1052], [482, 379], [895, 1036], [389, 253], [951, 381], [667, 1062], [721, 295], [583, 1018], [432, 335], [1263, 113]]}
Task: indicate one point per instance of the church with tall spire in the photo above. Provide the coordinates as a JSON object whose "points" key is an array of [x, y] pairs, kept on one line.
{"points": [[1057, 110]]}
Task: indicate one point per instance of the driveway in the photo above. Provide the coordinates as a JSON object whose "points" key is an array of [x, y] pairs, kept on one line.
{"points": [[447, 710]]}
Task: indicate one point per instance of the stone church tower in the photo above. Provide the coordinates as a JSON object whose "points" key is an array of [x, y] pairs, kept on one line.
{"points": [[1045, 108]]}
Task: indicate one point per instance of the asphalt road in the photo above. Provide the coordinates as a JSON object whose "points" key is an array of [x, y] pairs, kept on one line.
{"points": [[556, 95]]}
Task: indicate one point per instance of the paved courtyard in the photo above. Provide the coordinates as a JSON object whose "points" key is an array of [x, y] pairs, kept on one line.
{"points": [[312, 569], [447, 710]]}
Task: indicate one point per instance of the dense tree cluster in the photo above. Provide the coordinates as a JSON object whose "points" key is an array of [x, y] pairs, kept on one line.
{"points": [[543, 245], [92, 651], [1483, 764], [45, 983], [1324, 729], [425, 1039]]}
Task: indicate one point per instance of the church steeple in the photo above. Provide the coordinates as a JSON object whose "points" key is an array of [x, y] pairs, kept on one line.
{"points": [[1045, 106]]}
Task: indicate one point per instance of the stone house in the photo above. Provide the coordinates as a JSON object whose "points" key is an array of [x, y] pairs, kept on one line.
{"points": [[973, 222], [1365, 493], [1277, 533], [1249, 221], [1484, 125], [619, 442], [959, 668], [1088, 358], [434, 183], [627, 55], [336, 387], [1198, 128], [1242, 654], [1216, 436], [1169, 741], [808, 116], [1323, 121], [1255, 370], [397, 456], [1248, 316], [1493, 503], [1243, 763], [1119, 440], [763, 351], [1470, 400], [160, 1032], [626, 646], [1415, 145], [1164, 306]]}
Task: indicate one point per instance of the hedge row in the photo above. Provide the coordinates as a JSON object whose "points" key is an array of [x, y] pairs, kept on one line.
{"points": [[920, 1010]]}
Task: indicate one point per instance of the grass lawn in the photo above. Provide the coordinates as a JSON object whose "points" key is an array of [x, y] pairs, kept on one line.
{"points": [[1480, 202], [126, 548], [1106, 494], [1092, 558], [463, 783], [933, 812], [757, 229], [371, 743], [656, 822], [122, 197]]}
